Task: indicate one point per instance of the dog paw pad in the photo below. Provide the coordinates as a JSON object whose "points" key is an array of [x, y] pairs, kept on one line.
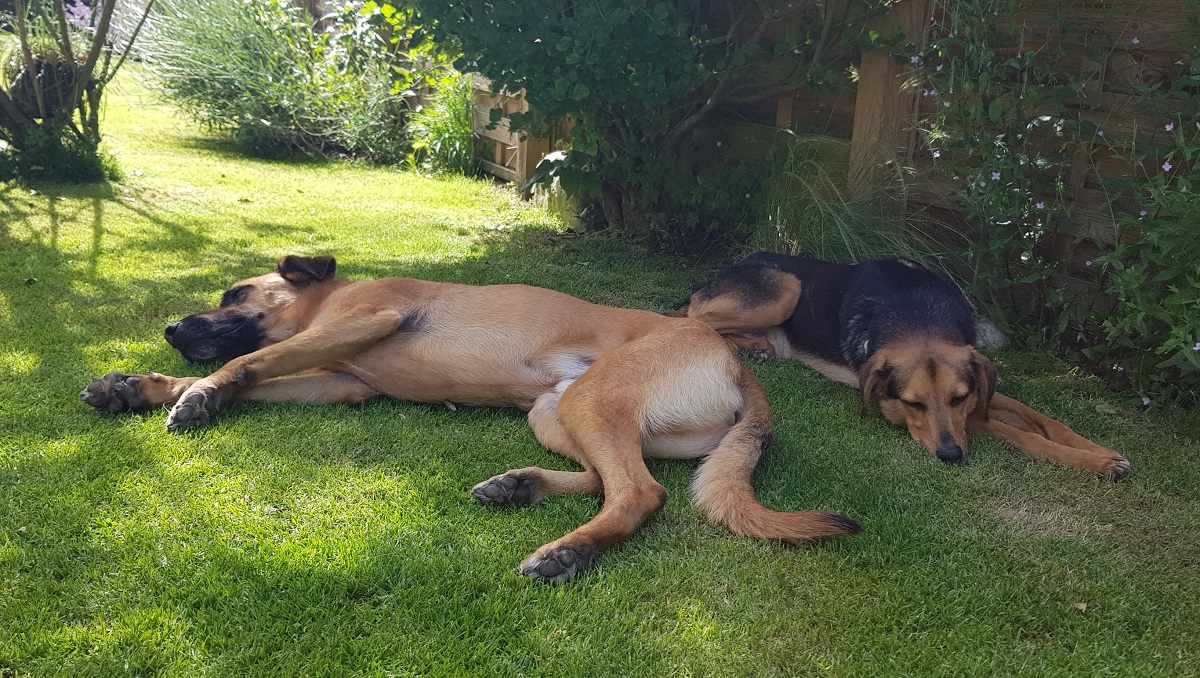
{"points": [[505, 488], [114, 392], [192, 411], [559, 563]]}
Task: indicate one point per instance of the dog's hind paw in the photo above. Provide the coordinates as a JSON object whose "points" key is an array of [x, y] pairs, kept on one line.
{"points": [[505, 488], [193, 410], [558, 563], [114, 392]]}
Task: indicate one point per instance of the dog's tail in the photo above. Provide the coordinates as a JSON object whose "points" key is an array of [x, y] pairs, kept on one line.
{"points": [[722, 483]]}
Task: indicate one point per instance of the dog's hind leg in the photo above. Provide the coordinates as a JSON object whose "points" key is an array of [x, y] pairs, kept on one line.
{"points": [[745, 306], [745, 303], [601, 417], [532, 484]]}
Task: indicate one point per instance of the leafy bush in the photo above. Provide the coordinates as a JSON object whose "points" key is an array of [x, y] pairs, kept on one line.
{"points": [[442, 134], [639, 80], [258, 69]]}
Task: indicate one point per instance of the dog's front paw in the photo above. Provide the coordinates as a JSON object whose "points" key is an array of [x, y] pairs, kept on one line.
{"points": [[558, 563], [1118, 467], [115, 392], [194, 408], [506, 488]]}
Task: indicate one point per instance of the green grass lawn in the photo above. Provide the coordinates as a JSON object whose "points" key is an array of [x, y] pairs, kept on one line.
{"points": [[342, 540]]}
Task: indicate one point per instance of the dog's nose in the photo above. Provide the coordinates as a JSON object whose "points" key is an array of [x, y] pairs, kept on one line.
{"points": [[950, 453], [170, 331]]}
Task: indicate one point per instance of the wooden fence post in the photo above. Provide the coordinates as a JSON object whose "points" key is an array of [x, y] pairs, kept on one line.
{"points": [[885, 110]]}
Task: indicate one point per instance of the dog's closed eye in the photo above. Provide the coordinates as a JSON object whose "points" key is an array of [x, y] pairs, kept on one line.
{"points": [[919, 407]]}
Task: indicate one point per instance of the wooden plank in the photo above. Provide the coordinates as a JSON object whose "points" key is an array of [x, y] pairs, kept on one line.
{"points": [[498, 171], [885, 110]]}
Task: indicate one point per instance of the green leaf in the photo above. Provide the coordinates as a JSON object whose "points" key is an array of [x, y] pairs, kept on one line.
{"points": [[994, 110]]}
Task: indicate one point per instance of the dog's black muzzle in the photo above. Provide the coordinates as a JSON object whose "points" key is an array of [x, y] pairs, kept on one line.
{"points": [[948, 450], [203, 338]]}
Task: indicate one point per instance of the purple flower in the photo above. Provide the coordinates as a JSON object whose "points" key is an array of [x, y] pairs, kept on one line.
{"points": [[1146, 401], [1166, 166], [1196, 347], [983, 183], [1040, 205], [1100, 132], [995, 176], [1142, 213], [1088, 262], [946, 104], [79, 15], [914, 58], [940, 67], [1169, 126], [937, 153], [1134, 40]]}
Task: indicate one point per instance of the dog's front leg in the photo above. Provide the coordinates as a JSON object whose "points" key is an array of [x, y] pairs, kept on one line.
{"points": [[117, 392], [335, 339]]}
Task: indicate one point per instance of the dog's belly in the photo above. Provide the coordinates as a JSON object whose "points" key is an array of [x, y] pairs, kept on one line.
{"points": [[685, 445], [439, 371]]}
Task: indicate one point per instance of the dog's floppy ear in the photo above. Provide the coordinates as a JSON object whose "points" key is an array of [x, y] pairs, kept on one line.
{"points": [[300, 271], [871, 378], [985, 381]]}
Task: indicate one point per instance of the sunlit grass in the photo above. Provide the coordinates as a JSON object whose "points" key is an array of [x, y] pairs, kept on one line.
{"points": [[342, 540]]}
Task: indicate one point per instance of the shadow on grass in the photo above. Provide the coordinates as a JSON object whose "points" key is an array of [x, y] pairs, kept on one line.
{"points": [[224, 146]]}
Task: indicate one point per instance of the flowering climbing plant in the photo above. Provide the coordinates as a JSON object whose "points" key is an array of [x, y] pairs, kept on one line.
{"points": [[1007, 127]]}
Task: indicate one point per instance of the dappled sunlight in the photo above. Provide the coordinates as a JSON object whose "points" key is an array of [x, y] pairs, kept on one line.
{"points": [[18, 363], [285, 537]]}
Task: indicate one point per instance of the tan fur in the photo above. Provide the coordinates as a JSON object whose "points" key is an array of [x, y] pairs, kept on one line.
{"points": [[933, 376], [603, 386]]}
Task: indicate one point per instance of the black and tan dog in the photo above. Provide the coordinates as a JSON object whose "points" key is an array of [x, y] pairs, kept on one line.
{"points": [[902, 334], [603, 386]]}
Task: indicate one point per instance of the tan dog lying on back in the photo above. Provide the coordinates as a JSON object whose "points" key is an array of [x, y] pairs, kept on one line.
{"points": [[603, 386]]}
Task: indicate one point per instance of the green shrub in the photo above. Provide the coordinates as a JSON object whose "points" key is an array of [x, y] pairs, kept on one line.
{"points": [[53, 154], [258, 70], [1152, 332], [639, 81], [442, 134]]}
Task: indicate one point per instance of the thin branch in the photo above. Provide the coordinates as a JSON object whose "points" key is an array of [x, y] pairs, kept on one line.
{"points": [[105, 77], [60, 13], [27, 56], [718, 93], [85, 74]]}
